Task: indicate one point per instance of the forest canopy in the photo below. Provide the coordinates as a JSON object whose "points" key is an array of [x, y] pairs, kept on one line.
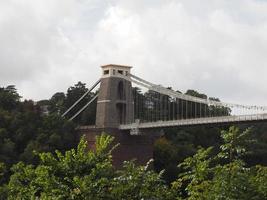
{"points": [[41, 157]]}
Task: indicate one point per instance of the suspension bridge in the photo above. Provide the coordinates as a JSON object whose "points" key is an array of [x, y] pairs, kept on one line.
{"points": [[141, 104], [134, 110]]}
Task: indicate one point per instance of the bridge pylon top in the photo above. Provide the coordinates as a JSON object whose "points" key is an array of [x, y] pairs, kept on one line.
{"points": [[114, 70]]}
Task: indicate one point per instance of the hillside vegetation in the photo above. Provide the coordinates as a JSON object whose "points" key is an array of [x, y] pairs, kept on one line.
{"points": [[41, 157]]}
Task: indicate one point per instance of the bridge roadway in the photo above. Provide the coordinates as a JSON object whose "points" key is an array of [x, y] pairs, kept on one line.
{"points": [[195, 121]]}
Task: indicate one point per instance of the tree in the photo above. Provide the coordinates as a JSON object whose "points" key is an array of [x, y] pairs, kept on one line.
{"points": [[169, 152], [78, 174], [9, 98], [194, 182], [235, 143], [73, 94], [195, 93], [205, 179], [138, 182], [3, 187], [259, 181], [57, 103], [23, 129], [83, 174]]}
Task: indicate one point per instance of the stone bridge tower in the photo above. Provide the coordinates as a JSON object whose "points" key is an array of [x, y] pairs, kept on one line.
{"points": [[115, 100], [115, 106]]}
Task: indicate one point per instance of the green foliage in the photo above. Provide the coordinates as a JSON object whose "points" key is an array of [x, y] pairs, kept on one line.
{"points": [[72, 95], [3, 187], [258, 149], [138, 182], [259, 181], [78, 174], [194, 181], [83, 174], [2, 172], [57, 103], [195, 93], [235, 143], [232, 181], [178, 144], [168, 153], [225, 171], [24, 129], [9, 98]]}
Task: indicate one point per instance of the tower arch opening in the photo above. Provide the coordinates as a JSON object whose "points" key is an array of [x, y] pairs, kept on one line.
{"points": [[121, 91]]}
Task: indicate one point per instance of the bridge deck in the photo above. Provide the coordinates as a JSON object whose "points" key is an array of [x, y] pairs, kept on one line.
{"points": [[196, 121]]}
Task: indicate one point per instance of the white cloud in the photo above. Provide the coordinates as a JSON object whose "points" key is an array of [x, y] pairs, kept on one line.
{"points": [[217, 47]]}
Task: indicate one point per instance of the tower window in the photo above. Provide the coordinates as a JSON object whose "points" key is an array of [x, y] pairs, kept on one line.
{"points": [[120, 72], [106, 72]]}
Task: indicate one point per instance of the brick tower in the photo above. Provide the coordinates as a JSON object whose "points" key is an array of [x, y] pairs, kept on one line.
{"points": [[115, 106]]}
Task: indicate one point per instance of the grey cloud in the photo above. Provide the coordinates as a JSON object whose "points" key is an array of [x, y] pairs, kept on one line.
{"points": [[218, 47]]}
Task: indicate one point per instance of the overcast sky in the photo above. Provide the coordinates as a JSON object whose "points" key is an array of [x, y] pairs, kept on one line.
{"points": [[218, 47]]}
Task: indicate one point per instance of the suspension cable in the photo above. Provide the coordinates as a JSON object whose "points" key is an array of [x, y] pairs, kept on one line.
{"points": [[74, 116], [81, 97], [169, 92], [211, 107]]}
